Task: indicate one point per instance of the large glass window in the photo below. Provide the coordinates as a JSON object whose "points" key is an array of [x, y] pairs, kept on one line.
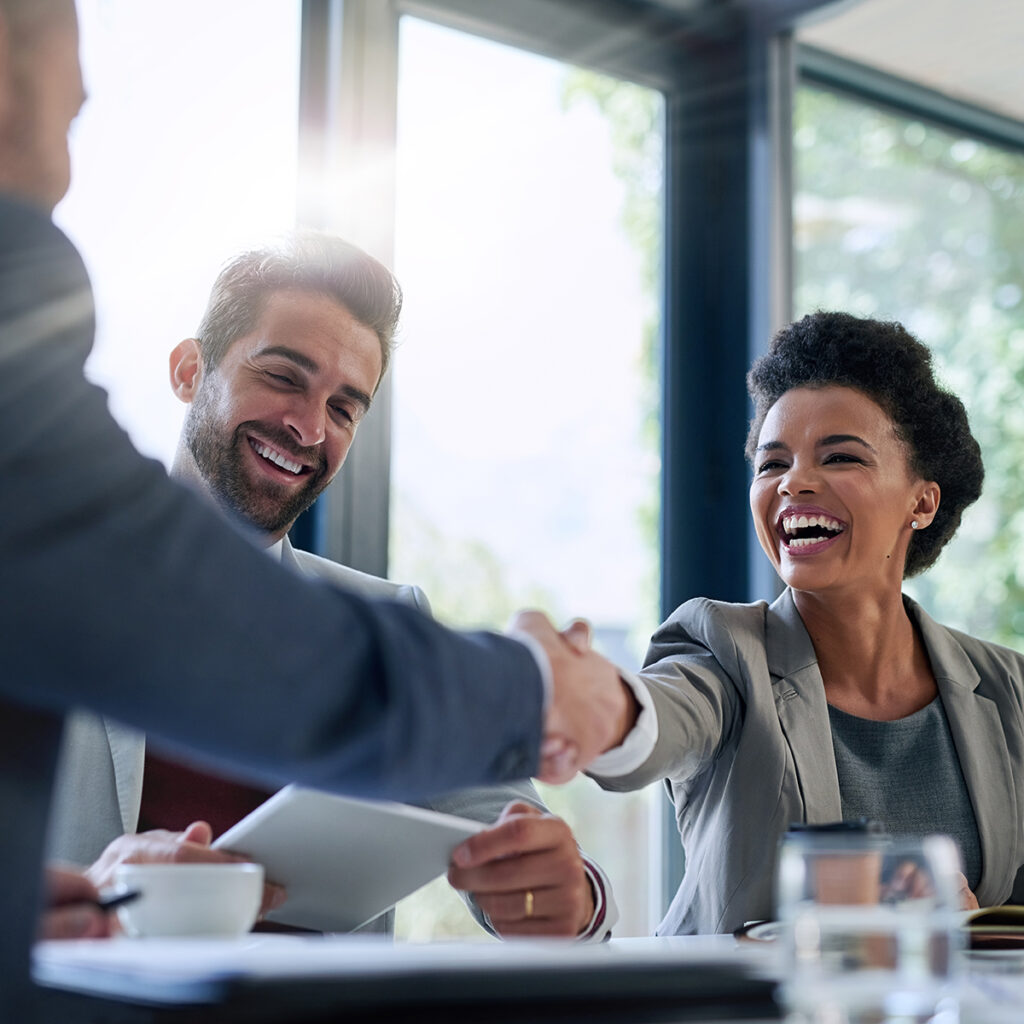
{"points": [[184, 154], [900, 219], [524, 462]]}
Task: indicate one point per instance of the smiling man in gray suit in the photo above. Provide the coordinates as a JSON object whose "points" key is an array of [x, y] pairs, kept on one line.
{"points": [[290, 352]]}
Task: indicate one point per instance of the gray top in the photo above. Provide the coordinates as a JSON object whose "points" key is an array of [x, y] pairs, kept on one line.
{"points": [[906, 775]]}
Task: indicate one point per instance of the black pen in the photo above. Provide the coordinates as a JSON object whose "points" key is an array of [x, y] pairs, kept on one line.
{"points": [[116, 899]]}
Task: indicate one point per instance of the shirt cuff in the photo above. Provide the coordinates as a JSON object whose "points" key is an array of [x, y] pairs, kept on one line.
{"points": [[543, 664], [606, 912], [638, 744]]}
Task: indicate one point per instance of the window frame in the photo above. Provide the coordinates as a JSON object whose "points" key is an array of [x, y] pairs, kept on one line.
{"points": [[820, 68]]}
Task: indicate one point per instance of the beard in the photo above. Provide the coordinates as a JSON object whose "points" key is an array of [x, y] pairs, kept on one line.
{"points": [[269, 507]]}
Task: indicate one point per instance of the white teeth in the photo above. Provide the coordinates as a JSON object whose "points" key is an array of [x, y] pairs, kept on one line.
{"points": [[277, 459], [793, 523]]}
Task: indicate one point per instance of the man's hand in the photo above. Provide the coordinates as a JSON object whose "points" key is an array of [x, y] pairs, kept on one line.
{"points": [[526, 874], [592, 709], [162, 847], [71, 909]]}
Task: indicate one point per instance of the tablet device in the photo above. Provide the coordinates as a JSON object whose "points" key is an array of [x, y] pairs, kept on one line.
{"points": [[344, 861]]}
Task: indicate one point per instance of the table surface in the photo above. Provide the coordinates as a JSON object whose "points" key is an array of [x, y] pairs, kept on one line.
{"points": [[262, 979], [268, 978]]}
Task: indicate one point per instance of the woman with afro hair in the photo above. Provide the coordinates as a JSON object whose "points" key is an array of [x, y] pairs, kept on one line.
{"points": [[842, 699]]}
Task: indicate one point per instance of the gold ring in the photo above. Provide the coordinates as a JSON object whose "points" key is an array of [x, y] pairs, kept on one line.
{"points": [[529, 902]]}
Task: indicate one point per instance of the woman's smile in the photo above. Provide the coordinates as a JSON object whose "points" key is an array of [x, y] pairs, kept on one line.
{"points": [[807, 529]]}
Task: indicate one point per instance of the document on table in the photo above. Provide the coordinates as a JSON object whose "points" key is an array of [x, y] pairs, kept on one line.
{"points": [[356, 971], [344, 861]]}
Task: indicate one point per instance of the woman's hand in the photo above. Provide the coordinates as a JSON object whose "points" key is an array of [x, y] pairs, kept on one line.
{"points": [[910, 882], [968, 901]]}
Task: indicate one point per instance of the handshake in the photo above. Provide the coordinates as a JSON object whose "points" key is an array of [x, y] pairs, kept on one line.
{"points": [[591, 709]]}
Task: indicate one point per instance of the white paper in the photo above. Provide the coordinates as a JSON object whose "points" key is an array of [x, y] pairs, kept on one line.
{"points": [[344, 861]]}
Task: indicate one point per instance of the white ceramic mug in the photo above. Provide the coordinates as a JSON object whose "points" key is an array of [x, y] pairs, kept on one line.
{"points": [[209, 900]]}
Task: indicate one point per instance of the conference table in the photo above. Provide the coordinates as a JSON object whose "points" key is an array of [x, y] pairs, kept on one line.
{"points": [[273, 979], [285, 978]]}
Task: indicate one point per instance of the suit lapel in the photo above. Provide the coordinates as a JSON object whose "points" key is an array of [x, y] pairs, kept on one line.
{"points": [[802, 710], [128, 756], [980, 743]]}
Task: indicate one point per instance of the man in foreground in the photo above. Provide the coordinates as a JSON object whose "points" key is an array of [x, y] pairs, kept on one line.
{"points": [[292, 347], [109, 567]]}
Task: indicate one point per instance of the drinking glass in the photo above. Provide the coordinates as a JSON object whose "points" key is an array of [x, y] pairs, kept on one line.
{"points": [[870, 927]]}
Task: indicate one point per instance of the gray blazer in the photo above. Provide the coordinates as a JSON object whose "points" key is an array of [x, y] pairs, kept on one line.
{"points": [[99, 783], [745, 748]]}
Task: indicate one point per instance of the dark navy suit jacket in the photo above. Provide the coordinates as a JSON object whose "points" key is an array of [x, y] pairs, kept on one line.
{"points": [[120, 591]]}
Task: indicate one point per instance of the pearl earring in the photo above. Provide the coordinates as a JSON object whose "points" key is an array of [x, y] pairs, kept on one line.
{"points": [[913, 525]]}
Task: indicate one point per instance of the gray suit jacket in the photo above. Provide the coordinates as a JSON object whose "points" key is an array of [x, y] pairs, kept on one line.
{"points": [[99, 782], [745, 748]]}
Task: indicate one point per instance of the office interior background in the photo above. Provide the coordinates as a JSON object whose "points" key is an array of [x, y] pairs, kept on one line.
{"points": [[599, 210]]}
